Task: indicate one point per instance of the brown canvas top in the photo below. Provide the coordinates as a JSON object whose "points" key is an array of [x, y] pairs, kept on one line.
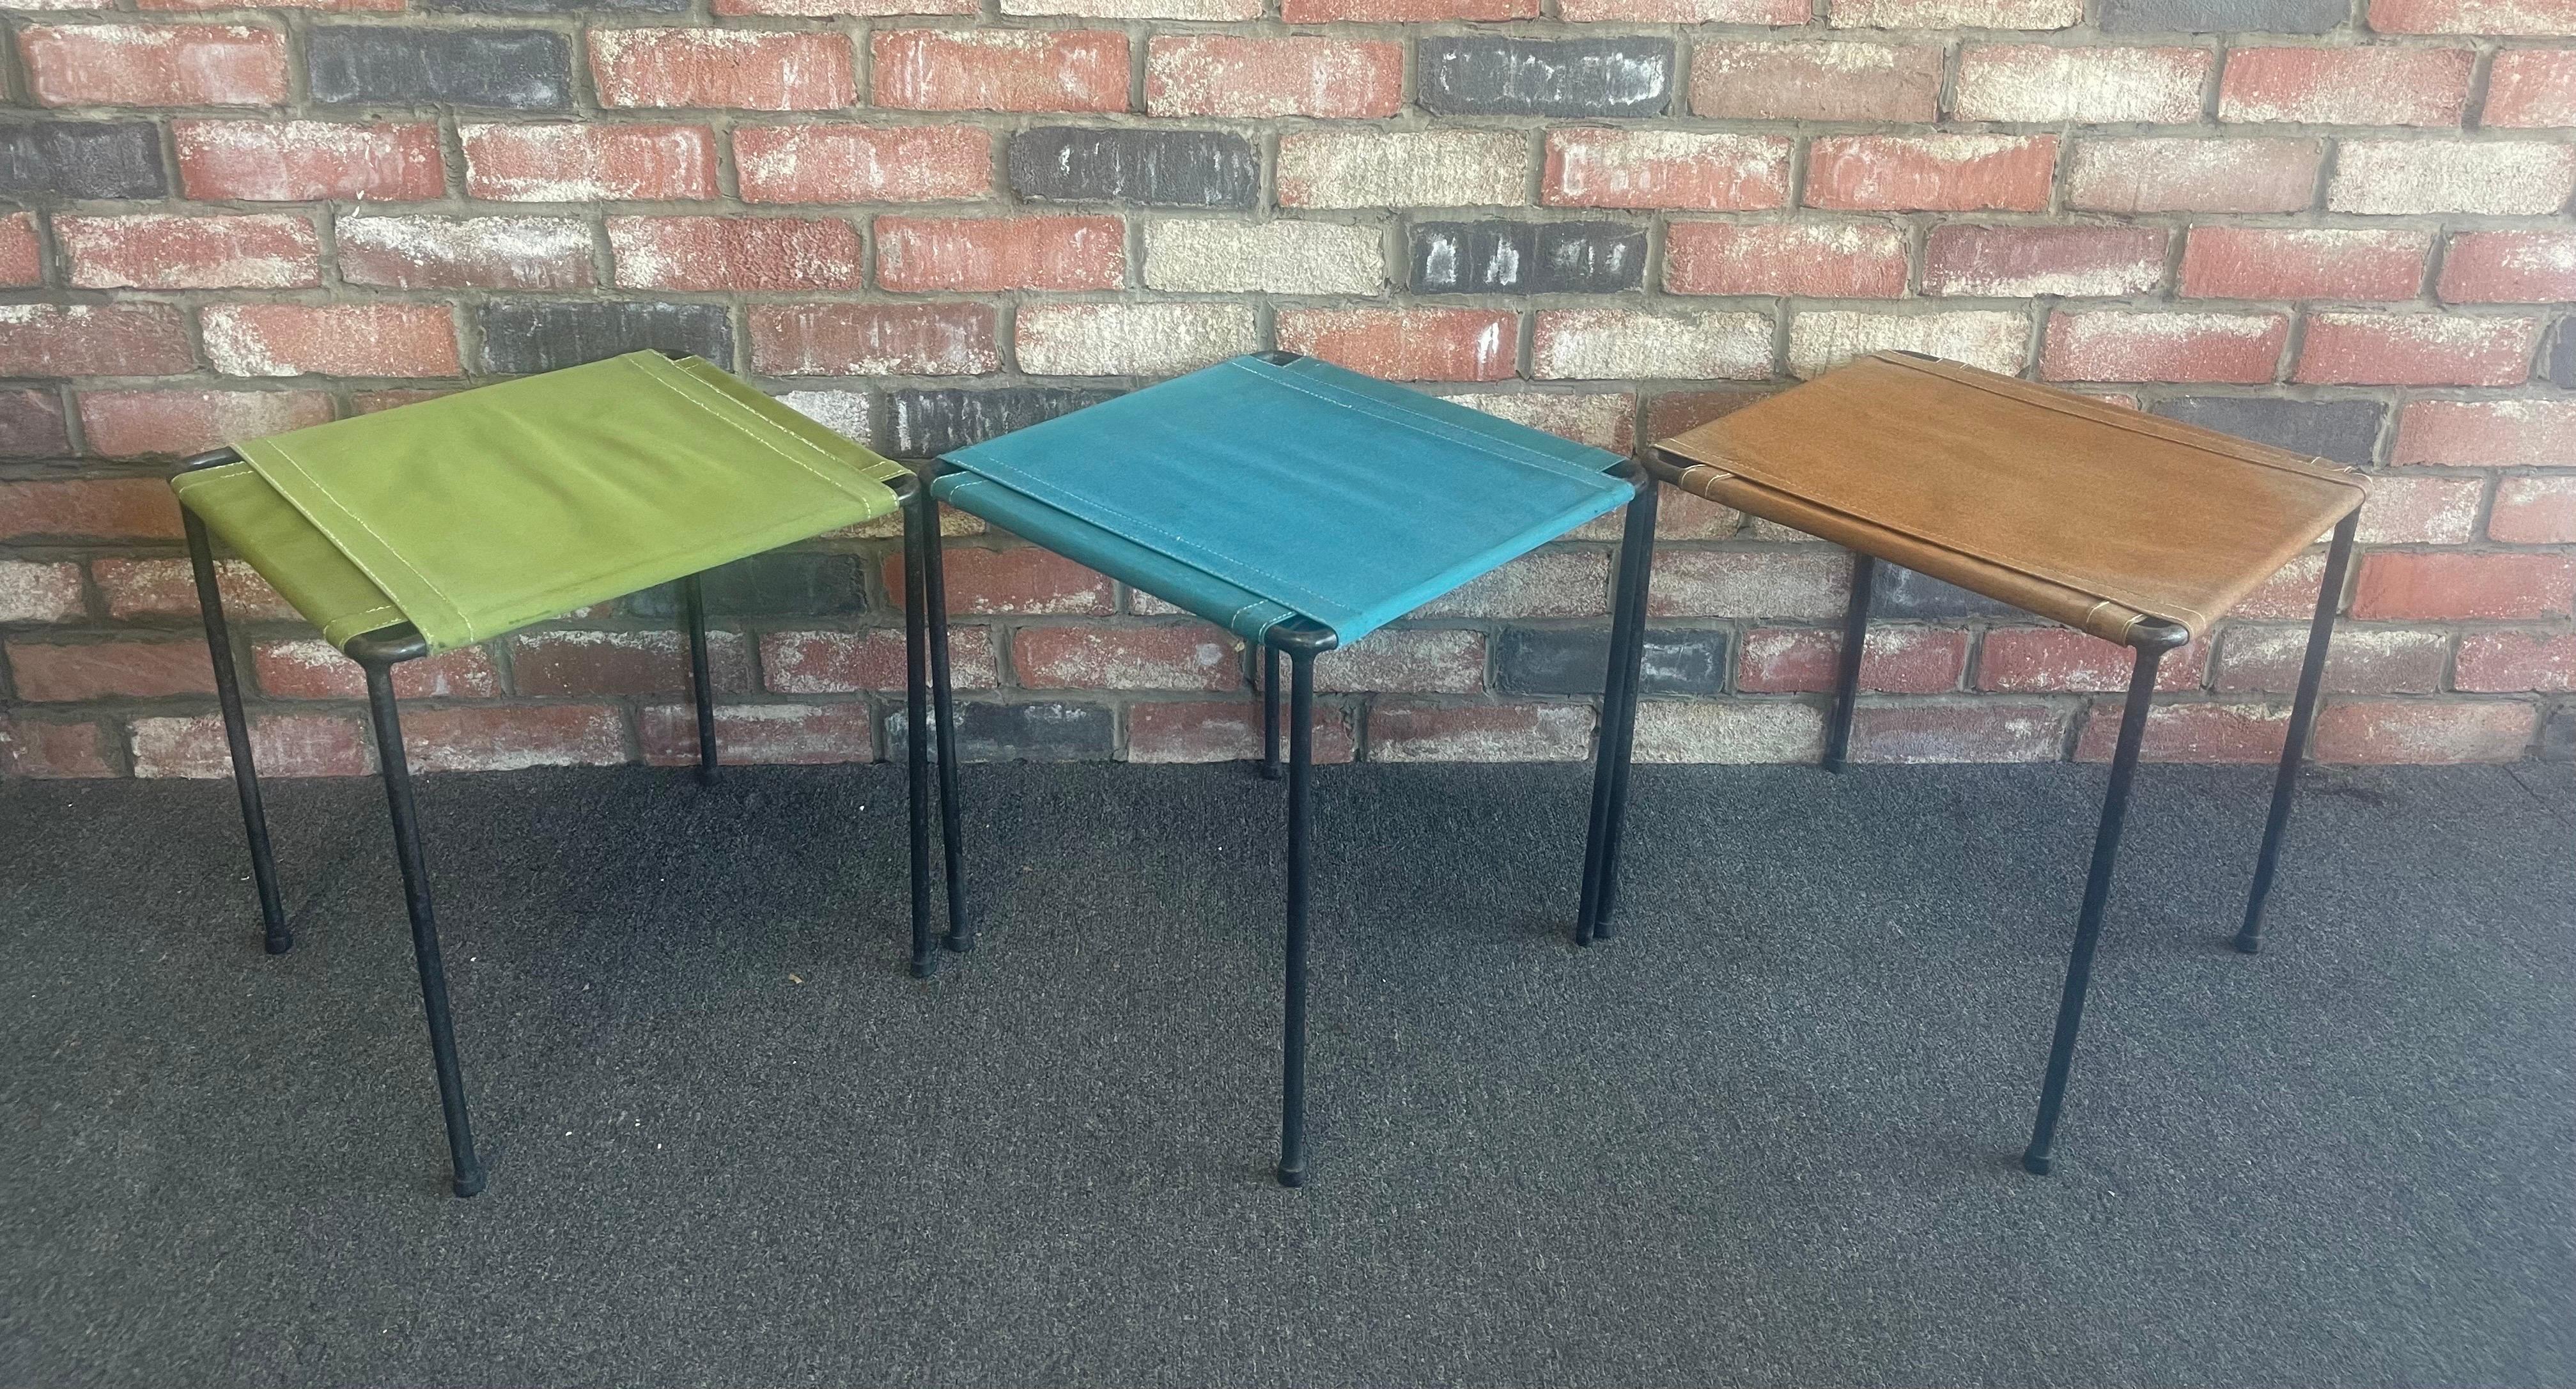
{"points": [[2078, 510]]}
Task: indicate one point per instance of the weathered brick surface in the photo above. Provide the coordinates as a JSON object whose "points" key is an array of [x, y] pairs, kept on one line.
{"points": [[2341, 229]]}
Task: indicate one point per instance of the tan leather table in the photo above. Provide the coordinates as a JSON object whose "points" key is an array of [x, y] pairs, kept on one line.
{"points": [[2133, 528]]}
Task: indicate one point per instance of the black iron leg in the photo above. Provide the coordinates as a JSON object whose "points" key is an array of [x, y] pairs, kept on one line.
{"points": [[1617, 738], [2285, 787], [693, 604], [2097, 892], [934, 594], [1269, 711], [219, 647], [916, 710], [1292, 1061], [467, 1167], [1847, 671]]}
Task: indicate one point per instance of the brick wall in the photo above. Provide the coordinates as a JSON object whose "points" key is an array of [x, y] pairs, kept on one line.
{"points": [[2336, 225]]}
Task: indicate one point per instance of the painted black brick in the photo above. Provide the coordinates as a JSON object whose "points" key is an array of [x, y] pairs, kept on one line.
{"points": [[1901, 592], [516, 69], [2562, 358], [1165, 168], [1041, 732], [1473, 75], [31, 425], [2558, 736], [524, 337], [2220, 16], [1573, 660], [789, 584], [83, 159], [2340, 431], [1506, 257], [924, 424]]}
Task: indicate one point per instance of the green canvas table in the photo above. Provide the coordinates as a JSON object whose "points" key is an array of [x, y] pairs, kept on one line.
{"points": [[436, 525]]}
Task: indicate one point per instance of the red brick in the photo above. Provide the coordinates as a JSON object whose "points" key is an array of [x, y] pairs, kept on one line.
{"points": [[2050, 83], [1550, 583], [465, 252], [1955, 14], [1823, 260], [42, 748], [140, 424], [2368, 85], [2020, 262], [22, 260], [2487, 433], [2534, 511], [2061, 660], [1787, 582], [1403, 11], [1590, 166], [1685, 11], [31, 424], [2115, 345], [1408, 344], [312, 669], [2439, 586], [2530, 89], [719, 253], [50, 671], [500, 738], [2509, 267], [1931, 173], [2472, 17], [2419, 349], [1001, 253], [331, 339], [1220, 731], [1410, 731], [1000, 70], [2418, 731], [2186, 175], [827, 8], [1803, 80], [873, 339], [2303, 263], [152, 251], [806, 663], [332, 6], [31, 591], [1986, 731], [1227, 75], [1021, 579], [560, 163], [1195, 656], [2513, 662], [2422, 509], [863, 164], [1407, 660], [309, 161], [744, 69], [2361, 660], [2190, 733], [281, 745], [107, 509], [132, 339], [760, 734], [623, 663], [1895, 659], [154, 64], [167, 588]]}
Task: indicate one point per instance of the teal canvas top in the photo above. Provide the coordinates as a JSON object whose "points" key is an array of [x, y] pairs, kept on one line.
{"points": [[1254, 491], [477, 513]]}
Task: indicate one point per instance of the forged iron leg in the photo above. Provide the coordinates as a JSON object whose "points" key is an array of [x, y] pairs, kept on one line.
{"points": [[1292, 1062], [468, 1168], [219, 647], [2097, 892], [916, 708], [1619, 691], [934, 594], [1847, 672], [693, 604], [2285, 787], [1269, 711]]}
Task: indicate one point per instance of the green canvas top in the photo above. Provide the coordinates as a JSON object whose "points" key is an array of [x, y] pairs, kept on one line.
{"points": [[477, 513]]}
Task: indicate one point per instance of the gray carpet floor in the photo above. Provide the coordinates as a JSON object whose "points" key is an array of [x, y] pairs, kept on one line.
{"points": [[1765, 1137]]}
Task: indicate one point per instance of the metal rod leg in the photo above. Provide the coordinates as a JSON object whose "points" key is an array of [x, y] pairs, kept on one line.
{"points": [[468, 1169], [1620, 684], [1292, 1061], [916, 713], [934, 594], [1864, 574], [1269, 711], [2097, 892], [2285, 787], [693, 604], [219, 648]]}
